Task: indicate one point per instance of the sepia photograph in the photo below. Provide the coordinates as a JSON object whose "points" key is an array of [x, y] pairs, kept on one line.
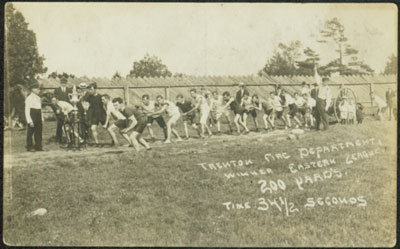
{"points": [[200, 124]]}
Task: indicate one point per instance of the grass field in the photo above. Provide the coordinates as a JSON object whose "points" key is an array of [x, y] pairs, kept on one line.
{"points": [[167, 197]]}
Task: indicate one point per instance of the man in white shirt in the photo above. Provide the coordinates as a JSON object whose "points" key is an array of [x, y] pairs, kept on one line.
{"points": [[323, 102], [34, 119]]}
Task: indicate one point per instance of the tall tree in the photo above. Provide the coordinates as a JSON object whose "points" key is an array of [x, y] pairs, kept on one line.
{"points": [[391, 65], [283, 60], [306, 66], [22, 62], [333, 31], [149, 66]]}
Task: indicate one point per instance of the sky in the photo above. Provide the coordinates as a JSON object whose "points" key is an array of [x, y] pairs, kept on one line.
{"points": [[98, 39]]}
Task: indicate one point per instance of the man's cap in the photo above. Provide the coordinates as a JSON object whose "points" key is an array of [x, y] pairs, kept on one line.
{"points": [[315, 84], [83, 85]]}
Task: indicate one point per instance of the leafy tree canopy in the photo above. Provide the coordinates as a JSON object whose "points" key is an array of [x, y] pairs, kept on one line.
{"points": [[149, 66]]}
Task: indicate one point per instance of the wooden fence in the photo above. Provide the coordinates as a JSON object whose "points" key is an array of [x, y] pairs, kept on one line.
{"points": [[131, 89]]}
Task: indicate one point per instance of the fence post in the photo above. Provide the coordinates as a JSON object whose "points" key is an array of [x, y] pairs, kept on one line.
{"points": [[166, 92], [371, 89], [126, 95]]}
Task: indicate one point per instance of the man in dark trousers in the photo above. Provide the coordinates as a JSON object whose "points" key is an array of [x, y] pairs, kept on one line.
{"points": [[314, 95], [324, 96], [313, 92], [241, 92], [34, 119], [61, 93], [390, 100]]}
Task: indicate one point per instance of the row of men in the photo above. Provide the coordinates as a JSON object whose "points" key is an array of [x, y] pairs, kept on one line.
{"points": [[96, 110], [208, 106]]}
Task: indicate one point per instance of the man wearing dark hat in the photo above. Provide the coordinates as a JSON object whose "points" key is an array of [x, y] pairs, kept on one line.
{"points": [[34, 119], [62, 94]]}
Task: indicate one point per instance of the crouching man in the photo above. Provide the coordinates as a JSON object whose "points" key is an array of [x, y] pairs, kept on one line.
{"points": [[135, 121], [65, 112]]}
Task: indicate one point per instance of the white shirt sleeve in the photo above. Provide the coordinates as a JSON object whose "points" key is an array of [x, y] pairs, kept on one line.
{"points": [[68, 107], [28, 105], [317, 77], [328, 96]]}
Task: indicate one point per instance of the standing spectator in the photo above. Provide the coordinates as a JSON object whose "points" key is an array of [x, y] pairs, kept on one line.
{"points": [[34, 119], [344, 110], [352, 111], [241, 92], [62, 94], [359, 113], [380, 103], [313, 92], [324, 96], [314, 95], [83, 106], [390, 100]]}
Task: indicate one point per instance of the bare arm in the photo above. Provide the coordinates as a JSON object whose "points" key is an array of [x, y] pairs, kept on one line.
{"points": [[194, 108], [28, 112], [107, 119], [131, 126], [228, 103], [259, 107], [157, 112]]}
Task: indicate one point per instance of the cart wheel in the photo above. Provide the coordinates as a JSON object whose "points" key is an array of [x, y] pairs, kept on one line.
{"points": [[343, 92]]}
